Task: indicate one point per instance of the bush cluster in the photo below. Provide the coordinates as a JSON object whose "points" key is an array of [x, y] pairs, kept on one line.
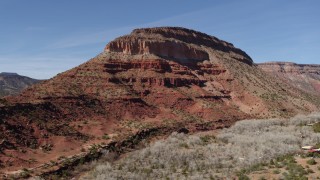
{"points": [[244, 145]]}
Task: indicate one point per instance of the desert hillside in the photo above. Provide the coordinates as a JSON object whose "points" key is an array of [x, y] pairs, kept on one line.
{"points": [[154, 80]]}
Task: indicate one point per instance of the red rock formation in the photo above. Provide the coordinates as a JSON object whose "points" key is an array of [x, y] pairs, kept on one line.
{"points": [[167, 49], [114, 66], [174, 43], [193, 37]]}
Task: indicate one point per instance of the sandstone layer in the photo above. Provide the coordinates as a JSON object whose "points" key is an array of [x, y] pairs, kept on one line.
{"points": [[174, 43]]}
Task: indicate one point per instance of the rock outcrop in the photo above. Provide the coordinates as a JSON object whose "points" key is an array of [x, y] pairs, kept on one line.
{"points": [[175, 43]]}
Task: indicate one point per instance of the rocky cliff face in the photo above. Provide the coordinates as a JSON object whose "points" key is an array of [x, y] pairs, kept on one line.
{"points": [[175, 43], [161, 78], [12, 83], [304, 76]]}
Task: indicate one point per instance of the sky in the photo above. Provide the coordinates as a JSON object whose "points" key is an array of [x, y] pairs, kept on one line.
{"points": [[41, 38]]}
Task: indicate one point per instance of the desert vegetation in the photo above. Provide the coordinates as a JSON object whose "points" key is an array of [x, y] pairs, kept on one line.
{"points": [[236, 151]]}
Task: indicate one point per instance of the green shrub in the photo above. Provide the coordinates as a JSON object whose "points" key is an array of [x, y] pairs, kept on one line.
{"points": [[243, 177], [310, 171], [295, 172], [105, 137], [313, 154], [311, 162], [287, 159], [316, 127], [184, 145], [206, 139], [25, 173], [276, 171]]}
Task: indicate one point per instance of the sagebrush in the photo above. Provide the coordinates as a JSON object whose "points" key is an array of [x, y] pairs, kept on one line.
{"points": [[245, 144]]}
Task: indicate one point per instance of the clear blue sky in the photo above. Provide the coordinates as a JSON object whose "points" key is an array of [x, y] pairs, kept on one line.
{"points": [[40, 38]]}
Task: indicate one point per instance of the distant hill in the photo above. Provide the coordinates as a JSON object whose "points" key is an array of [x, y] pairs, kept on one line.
{"points": [[13, 83], [303, 76]]}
